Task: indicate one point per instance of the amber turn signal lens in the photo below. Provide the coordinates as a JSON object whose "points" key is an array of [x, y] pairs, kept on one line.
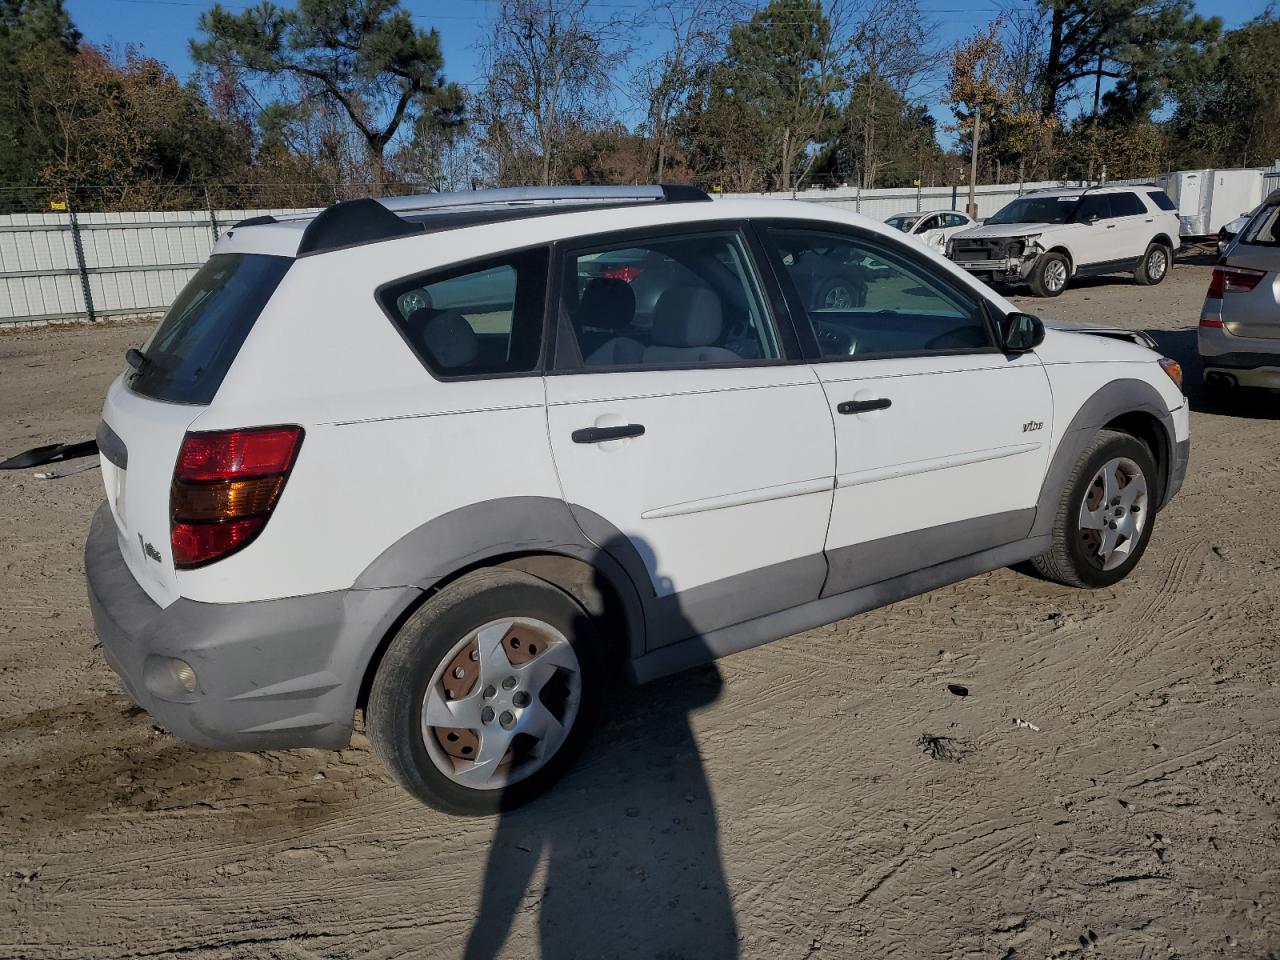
{"points": [[1173, 369], [222, 501]]}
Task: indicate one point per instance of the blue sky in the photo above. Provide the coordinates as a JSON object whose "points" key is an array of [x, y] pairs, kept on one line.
{"points": [[162, 28]]}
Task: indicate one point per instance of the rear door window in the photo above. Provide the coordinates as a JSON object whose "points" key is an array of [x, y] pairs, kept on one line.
{"points": [[1092, 207], [664, 302], [192, 349], [1126, 205], [481, 319]]}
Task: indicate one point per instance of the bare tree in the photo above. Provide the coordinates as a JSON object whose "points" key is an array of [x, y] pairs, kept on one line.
{"points": [[889, 51], [549, 71], [666, 82]]}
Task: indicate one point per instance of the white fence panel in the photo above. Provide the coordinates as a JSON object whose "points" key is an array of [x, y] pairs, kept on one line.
{"points": [[135, 263]]}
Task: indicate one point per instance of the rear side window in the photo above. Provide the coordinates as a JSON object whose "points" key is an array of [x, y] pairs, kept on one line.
{"points": [[1126, 205], [1161, 200], [482, 319], [192, 349], [1264, 229]]}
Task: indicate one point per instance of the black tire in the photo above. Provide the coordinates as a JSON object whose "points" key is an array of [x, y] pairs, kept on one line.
{"points": [[1042, 279], [393, 717], [1068, 561], [1155, 265]]}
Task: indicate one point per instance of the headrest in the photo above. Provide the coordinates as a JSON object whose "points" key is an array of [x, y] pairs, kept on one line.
{"points": [[445, 335], [607, 304], [687, 317]]}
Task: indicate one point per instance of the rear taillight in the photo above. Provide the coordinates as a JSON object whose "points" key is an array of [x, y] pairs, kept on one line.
{"points": [[621, 273], [1233, 280], [225, 485]]}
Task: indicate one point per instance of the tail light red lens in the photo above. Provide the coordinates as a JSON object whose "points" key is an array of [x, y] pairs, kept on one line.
{"points": [[225, 485], [1233, 280], [621, 273]]}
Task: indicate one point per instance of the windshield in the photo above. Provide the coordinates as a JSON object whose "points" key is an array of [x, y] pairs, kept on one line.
{"points": [[1037, 210], [192, 349], [902, 222]]}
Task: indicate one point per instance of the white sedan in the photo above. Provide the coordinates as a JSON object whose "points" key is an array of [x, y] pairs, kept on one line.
{"points": [[932, 228]]}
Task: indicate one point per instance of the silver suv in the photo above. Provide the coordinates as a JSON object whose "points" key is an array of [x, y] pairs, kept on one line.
{"points": [[1240, 323]]}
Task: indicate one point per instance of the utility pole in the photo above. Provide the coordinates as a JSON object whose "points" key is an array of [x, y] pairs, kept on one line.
{"points": [[973, 161]]}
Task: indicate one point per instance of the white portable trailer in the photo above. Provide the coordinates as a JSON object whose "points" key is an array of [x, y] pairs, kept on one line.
{"points": [[1209, 199]]}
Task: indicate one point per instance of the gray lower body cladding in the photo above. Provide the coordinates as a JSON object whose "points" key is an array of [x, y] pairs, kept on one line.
{"points": [[270, 674]]}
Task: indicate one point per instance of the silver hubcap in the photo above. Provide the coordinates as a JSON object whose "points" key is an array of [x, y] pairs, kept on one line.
{"points": [[838, 298], [501, 703], [1114, 513], [1055, 275], [1157, 264]]}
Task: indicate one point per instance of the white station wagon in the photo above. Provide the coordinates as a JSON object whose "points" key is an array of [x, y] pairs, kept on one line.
{"points": [[449, 460]]}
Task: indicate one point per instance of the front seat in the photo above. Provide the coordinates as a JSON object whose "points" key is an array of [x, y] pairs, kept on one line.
{"points": [[687, 321]]}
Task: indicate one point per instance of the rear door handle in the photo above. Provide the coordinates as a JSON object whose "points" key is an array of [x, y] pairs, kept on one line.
{"points": [[601, 434], [862, 406]]}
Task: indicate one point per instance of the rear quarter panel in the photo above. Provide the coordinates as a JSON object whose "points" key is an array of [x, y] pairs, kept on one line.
{"points": [[387, 448]]}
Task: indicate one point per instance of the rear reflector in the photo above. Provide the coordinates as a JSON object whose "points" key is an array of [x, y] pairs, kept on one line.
{"points": [[1232, 280], [225, 485], [199, 543]]}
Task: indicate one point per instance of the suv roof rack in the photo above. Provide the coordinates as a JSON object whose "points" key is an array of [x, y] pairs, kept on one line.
{"points": [[519, 196], [355, 222]]}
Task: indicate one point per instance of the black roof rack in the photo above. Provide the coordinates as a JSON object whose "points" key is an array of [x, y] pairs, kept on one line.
{"points": [[356, 222], [254, 221]]}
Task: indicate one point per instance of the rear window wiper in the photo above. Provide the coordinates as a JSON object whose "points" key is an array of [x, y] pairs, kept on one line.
{"points": [[136, 358]]}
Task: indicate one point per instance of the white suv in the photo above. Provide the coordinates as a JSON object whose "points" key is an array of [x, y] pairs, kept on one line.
{"points": [[1046, 238], [448, 460]]}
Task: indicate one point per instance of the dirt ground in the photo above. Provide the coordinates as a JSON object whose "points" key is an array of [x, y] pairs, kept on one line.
{"points": [[787, 805]]}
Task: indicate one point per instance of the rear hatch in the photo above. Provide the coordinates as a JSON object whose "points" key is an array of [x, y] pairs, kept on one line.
{"points": [[149, 409], [1254, 311]]}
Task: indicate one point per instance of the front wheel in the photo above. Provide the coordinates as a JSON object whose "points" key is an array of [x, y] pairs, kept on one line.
{"points": [[1154, 266], [1105, 516], [1049, 275], [487, 693]]}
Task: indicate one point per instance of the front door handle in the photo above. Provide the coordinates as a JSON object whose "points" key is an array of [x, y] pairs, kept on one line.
{"points": [[863, 406], [601, 434]]}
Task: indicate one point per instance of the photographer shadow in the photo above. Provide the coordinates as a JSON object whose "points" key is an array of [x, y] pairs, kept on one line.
{"points": [[628, 841]]}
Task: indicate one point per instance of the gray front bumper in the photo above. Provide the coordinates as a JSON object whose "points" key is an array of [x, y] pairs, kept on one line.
{"points": [[270, 674]]}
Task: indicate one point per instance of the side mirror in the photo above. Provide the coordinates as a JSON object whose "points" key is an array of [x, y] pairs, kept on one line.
{"points": [[1020, 332]]}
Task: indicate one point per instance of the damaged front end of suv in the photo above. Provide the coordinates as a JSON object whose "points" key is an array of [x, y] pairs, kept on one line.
{"points": [[996, 259]]}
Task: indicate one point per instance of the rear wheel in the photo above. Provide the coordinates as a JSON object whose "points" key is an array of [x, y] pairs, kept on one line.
{"points": [[487, 693], [1105, 516], [1049, 275], [1154, 266]]}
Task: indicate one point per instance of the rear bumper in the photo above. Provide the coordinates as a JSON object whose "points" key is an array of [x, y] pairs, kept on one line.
{"points": [[1250, 362], [269, 674]]}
